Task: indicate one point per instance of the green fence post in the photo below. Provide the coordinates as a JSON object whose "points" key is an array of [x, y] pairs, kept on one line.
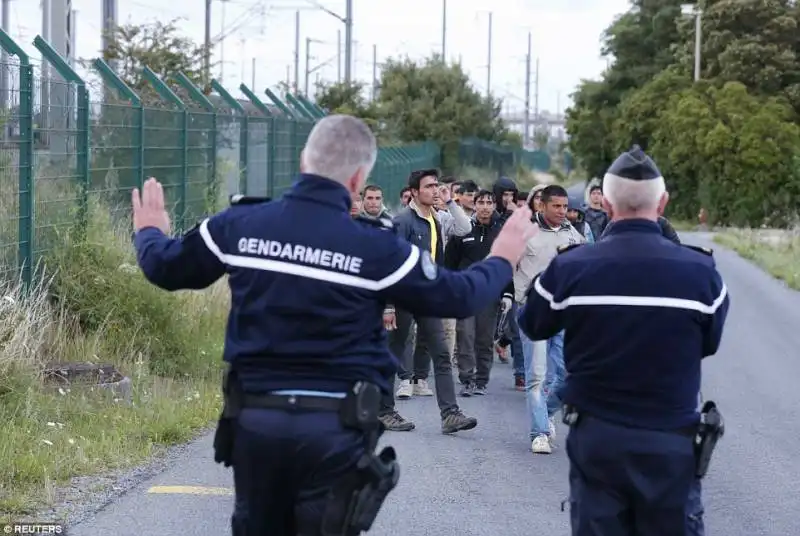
{"points": [[279, 103], [263, 108], [111, 78], [168, 95], [308, 106], [240, 111], [198, 97], [271, 141], [82, 143], [25, 181], [297, 106]]}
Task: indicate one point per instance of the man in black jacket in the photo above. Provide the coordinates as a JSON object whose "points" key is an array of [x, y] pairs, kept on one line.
{"points": [[475, 335]]}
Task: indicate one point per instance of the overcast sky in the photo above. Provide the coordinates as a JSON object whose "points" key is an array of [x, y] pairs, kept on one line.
{"points": [[565, 38]]}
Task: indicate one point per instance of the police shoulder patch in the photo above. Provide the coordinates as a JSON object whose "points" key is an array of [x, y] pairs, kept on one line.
{"points": [[705, 251], [566, 247], [428, 265], [383, 223], [240, 199]]}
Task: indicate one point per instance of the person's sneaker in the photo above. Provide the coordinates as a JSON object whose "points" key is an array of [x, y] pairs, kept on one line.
{"points": [[467, 390], [421, 388], [541, 445], [479, 390], [519, 383], [405, 391], [396, 423], [456, 421]]}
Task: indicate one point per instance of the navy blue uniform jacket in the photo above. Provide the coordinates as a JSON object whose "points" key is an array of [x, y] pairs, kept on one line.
{"points": [[640, 313], [308, 286]]}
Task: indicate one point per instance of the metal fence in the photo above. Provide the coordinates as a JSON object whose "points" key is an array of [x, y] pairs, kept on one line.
{"points": [[60, 153]]}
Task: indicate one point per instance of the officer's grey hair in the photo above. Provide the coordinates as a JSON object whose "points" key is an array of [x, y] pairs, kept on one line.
{"points": [[338, 146], [627, 195]]}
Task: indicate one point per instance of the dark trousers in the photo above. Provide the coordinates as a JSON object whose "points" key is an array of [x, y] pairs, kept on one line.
{"points": [[630, 482], [431, 340], [475, 341], [415, 359], [285, 463]]}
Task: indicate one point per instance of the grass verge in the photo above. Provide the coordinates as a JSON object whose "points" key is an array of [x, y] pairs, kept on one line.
{"points": [[95, 306], [778, 255]]}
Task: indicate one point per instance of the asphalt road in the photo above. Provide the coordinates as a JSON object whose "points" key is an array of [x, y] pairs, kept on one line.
{"points": [[486, 482]]}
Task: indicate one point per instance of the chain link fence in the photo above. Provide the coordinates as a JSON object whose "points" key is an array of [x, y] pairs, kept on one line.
{"points": [[65, 146]]}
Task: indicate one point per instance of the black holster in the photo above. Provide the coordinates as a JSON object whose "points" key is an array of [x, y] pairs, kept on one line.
{"points": [[225, 436], [709, 431], [355, 501]]}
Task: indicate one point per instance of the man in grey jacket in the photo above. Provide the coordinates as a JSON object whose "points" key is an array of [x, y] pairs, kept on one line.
{"points": [[544, 360], [422, 226]]}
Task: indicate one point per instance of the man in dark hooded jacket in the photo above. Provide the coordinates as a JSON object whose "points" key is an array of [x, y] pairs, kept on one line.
{"points": [[505, 197]]}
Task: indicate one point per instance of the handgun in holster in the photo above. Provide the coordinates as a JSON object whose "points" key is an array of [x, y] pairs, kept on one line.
{"points": [[355, 501], [710, 429], [225, 436]]}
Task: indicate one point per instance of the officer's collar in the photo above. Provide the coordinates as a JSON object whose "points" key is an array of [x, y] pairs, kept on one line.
{"points": [[322, 190], [634, 225]]}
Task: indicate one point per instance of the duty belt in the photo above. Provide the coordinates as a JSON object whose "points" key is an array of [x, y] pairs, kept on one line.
{"points": [[291, 402]]}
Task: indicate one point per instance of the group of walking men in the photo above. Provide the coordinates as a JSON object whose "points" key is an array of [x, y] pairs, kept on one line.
{"points": [[457, 222]]}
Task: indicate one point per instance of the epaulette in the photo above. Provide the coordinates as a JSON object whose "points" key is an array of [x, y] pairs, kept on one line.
{"points": [[706, 251], [240, 199], [566, 247], [383, 223]]}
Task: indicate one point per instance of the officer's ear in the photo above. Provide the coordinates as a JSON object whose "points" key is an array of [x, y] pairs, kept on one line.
{"points": [[356, 183], [662, 203], [607, 207]]}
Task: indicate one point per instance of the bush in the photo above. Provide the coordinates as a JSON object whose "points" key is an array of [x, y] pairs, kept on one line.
{"points": [[104, 311]]}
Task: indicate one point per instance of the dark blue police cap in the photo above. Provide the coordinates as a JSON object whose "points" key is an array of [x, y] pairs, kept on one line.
{"points": [[634, 165]]}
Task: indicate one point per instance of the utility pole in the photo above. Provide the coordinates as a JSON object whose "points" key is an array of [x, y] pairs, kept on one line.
{"points": [[308, 64], [6, 22], [252, 75], [241, 55], [339, 56], [526, 137], [489, 64], [296, 51], [288, 78], [374, 70], [207, 51], [222, 46], [536, 99], [109, 27], [444, 31], [348, 42]]}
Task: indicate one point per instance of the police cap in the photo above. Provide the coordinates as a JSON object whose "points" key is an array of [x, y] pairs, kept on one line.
{"points": [[634, 165]]}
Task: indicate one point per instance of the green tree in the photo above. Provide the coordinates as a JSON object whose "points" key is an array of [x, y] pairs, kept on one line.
{"points": [[433, 100], [159, 46], [348, 98], [734, 153]]}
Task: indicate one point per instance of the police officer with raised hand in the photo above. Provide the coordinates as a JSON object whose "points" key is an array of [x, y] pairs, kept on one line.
{"points": [[631, 393], [305, 344]]}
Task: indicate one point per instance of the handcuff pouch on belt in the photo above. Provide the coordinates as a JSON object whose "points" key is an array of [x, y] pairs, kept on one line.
{"points": [[225, 436], [355, 501], [710, 429]]}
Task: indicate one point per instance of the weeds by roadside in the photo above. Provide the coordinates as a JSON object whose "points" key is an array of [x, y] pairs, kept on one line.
{"points": [[778, 254], [95, 306]]}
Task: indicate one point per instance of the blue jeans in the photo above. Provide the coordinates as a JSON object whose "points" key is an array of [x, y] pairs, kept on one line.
{"points": [[544, 375], [517, 353], [556, 372]]}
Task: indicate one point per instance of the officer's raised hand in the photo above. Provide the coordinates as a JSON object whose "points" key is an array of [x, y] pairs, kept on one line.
{"points": [[518, 229], [148, 210]]}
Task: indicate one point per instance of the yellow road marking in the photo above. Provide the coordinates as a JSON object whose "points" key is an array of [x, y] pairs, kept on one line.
{"points": [[191, 490]]}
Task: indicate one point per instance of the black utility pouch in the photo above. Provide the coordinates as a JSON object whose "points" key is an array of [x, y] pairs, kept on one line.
{"points": [[225, 436], [360, 407]]}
